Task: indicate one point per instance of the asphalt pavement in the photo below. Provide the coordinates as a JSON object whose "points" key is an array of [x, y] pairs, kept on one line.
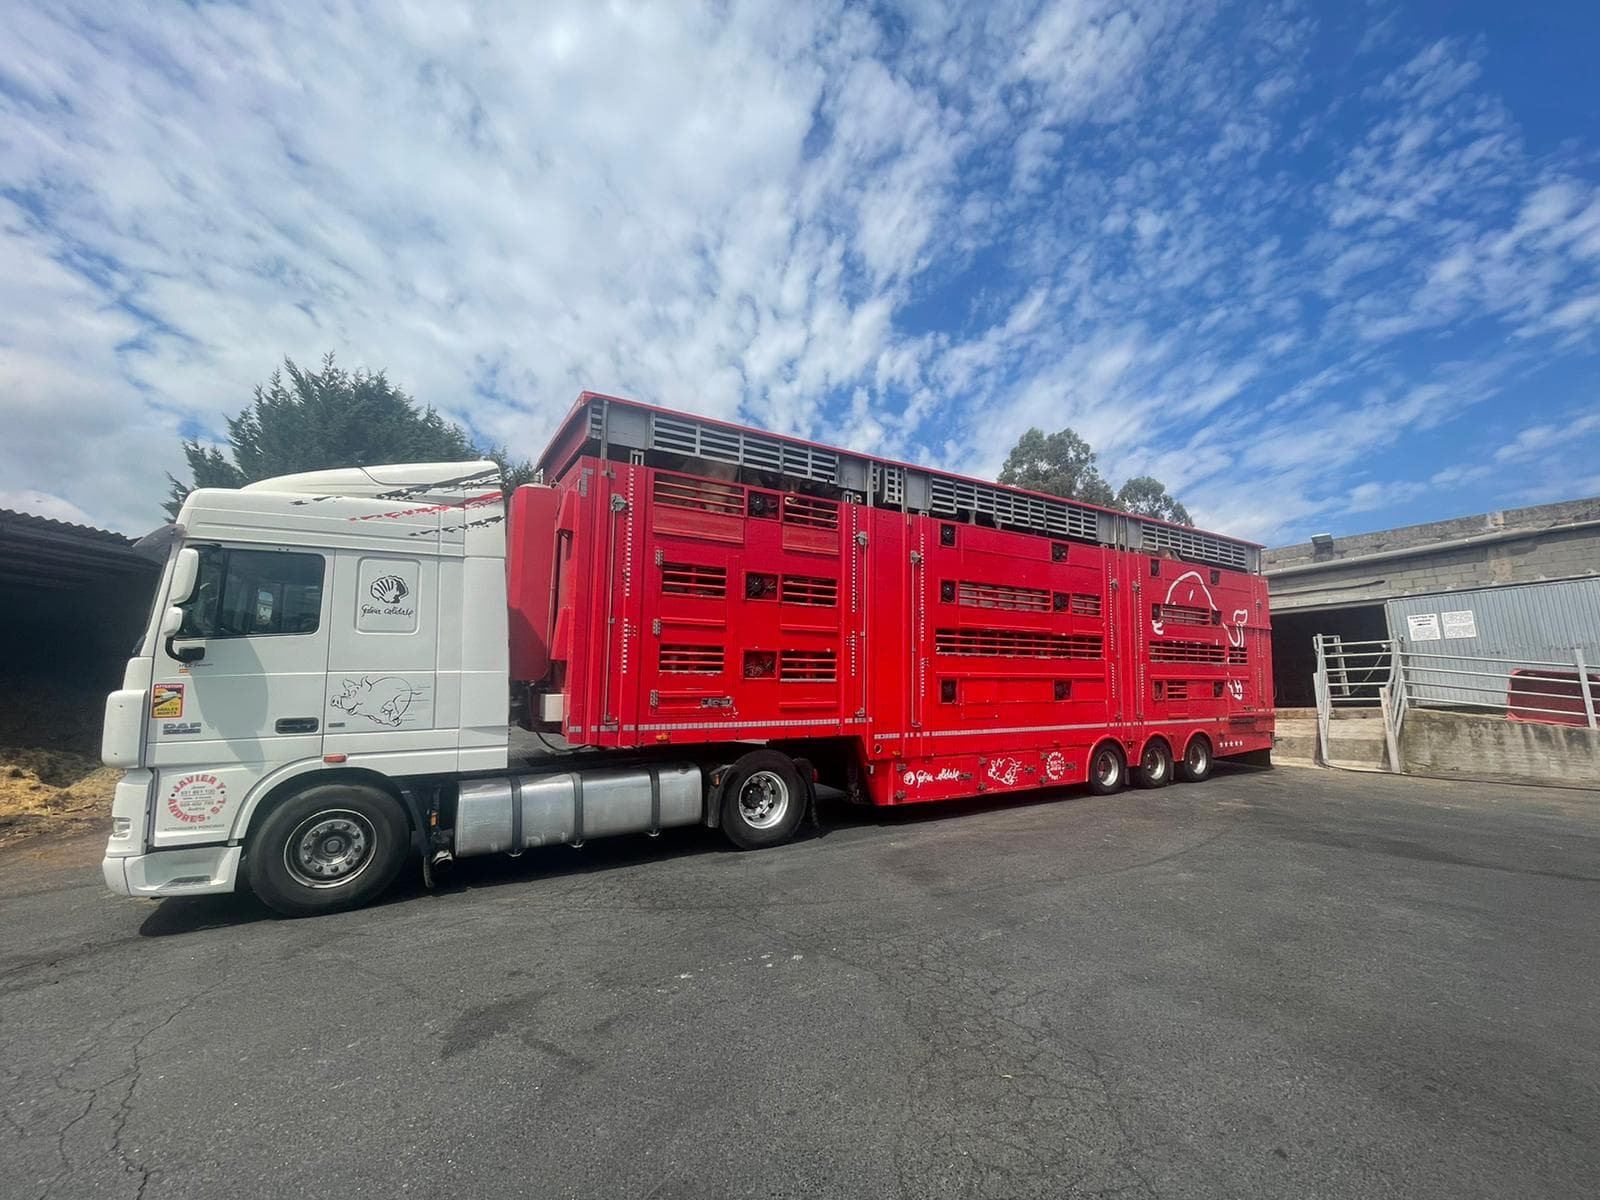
{"points": [[1277, 983]]}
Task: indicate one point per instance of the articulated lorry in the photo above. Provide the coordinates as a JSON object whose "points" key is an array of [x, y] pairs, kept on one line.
{"points": [[714, 620]]}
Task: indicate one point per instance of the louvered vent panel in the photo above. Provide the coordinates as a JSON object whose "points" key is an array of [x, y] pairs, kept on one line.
{"points": [[1085, 604], [995, 595], [707, 495], [691, 579], [808, 666], [683, 659], [1188, 652], [1060, 518], [1015, 643], [1196, 546], [809, 589]]}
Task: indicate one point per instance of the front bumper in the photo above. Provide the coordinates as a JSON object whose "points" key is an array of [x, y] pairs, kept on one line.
{"points": [[186, 871]]}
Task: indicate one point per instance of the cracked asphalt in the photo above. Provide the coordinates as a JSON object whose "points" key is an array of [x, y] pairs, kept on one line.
{"points": [[1278, 983]]}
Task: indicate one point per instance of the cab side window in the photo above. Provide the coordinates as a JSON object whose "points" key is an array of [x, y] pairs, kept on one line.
{"points": [[252, 593]]}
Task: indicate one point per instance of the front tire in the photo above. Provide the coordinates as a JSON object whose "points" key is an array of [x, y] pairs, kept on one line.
{"points": [[1108, 770], [333, 846], [763, 800], [1155, 765], [1197, 760]]}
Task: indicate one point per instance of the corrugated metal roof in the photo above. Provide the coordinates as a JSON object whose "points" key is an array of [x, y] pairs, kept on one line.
{"points": [[38, 552]]}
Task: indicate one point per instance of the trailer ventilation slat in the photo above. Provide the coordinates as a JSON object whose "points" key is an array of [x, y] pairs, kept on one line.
{"points": [[701, 439], [1236, 656], [999, 595], [1171, 689], [1196, 546], [1189, 652], [1015, 643], [706, 495], [685, 659], [1182, 614], [1085, 604], [808, 666], [809, 589], [1060, 518], [692, 579], [810, 512]]}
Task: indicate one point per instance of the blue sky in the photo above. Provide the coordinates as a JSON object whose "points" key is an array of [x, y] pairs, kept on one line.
{"points": [[1318, 267]]}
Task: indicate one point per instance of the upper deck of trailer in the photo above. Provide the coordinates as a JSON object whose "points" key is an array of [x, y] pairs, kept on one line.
{"points": [[611, 427]]}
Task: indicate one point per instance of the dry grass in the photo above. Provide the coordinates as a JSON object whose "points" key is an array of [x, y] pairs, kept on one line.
{"points": [[52, 791], [51, 780]]}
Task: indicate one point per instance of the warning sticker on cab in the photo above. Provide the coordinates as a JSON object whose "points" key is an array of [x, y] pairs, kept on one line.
{"points": [[196, 799], [166, 701]]}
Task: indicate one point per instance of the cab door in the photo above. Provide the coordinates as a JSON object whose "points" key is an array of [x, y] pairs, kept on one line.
{"points": [[252, 698]]}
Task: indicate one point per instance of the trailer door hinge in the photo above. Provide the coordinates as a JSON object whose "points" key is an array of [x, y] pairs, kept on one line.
{"points": [[655, 698], [661, 557], [861, 540], [655, 627], [916, 558], [618, 503]]}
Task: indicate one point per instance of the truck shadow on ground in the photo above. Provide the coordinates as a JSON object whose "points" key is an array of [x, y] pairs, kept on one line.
{"points": [[181, 915]]}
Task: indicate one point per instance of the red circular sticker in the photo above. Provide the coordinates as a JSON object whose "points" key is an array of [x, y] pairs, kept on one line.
{"points": [[195, 799]]}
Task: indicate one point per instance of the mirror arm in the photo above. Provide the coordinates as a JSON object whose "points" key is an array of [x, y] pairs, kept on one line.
{"points": [[186, 654]]}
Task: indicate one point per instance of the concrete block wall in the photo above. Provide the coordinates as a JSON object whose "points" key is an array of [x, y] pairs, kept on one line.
{"points": [[1469, 746]]}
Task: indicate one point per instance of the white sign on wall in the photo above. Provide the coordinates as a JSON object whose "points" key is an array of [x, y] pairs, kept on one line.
{"points": [[1460, 624], [1423, 627]]}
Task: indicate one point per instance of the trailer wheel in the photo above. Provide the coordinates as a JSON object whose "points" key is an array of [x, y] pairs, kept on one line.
{"points": [[763, 800], [1155, 765], [1197, 760], [332, 846], [1108, 770]]}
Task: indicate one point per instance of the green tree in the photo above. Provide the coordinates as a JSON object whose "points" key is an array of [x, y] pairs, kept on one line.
{"points": [[1058, 464], [1063, 464], [1149, 497], [311, 420]]}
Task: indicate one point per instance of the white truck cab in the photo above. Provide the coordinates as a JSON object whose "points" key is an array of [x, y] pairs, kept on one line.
{"points": [[339, 629]]}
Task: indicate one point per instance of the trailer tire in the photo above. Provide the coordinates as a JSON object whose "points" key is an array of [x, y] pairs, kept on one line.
{"points": [[333, 846], [763, 800], [1197, 760], [1108, 769], [1155, 765]]}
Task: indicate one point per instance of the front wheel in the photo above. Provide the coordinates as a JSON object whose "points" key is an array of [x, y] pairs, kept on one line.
{"points": [[1197, 760], [333, 846], [1108, 771], [763, 800]]}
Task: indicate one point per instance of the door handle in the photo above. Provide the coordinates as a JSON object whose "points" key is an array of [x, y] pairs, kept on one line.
{"points": [[296, 725]]}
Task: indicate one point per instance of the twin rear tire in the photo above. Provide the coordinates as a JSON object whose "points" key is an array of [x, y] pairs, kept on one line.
{"points": [[332, 846]]}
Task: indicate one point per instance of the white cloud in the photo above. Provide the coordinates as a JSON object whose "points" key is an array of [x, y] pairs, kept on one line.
{"points": [[920, 234]]}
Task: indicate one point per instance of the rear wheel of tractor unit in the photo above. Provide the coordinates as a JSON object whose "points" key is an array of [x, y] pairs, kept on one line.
{"points": [[1155, 765], [332, 846], [1108, 770], [763, 800], [1197, 760]]}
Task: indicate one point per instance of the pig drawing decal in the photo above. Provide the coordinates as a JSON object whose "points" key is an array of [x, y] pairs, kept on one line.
{"points": [[383, 700]]}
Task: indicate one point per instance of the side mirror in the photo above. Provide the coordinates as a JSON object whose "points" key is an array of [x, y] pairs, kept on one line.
{"points": [[185, 574], [171, 622]]}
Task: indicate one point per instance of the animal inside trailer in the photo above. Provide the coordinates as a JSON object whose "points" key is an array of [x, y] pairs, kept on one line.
{"points": [[915, 635]]}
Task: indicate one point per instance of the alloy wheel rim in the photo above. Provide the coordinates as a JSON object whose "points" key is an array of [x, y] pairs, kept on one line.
{"points": [[330, 848]]}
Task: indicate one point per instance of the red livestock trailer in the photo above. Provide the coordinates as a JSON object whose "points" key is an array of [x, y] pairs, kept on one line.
{"points": [[913, 635]]}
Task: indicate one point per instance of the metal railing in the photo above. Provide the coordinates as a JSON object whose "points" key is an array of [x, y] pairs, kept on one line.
{"points": [[1386, 676]]}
